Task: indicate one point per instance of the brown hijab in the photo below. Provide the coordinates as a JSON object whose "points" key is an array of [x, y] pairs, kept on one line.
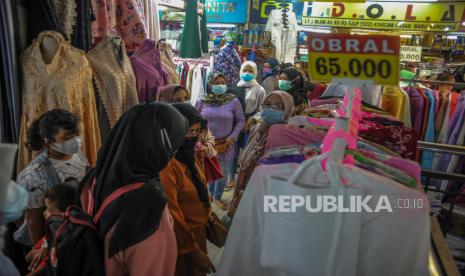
{"points": [[259, 134], [166, 93]]}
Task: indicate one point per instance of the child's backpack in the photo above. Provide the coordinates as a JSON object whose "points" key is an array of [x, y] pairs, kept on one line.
{"points": [[76, 248], [74, 245]]}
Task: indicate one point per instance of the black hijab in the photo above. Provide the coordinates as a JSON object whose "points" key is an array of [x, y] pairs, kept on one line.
{"points": [[134, 152], [298, 90], [186, 153]]}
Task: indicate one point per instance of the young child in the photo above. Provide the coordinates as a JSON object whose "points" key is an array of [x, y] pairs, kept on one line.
{"points": [[57, 200]]}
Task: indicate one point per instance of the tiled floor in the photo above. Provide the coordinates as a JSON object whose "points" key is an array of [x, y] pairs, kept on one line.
{"points": [[214, 252]]}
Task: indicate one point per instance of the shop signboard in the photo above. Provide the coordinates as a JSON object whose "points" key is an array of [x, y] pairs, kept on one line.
{"points": [[443, 16], [226, 11], [260, 10], [369, 57], [410, 53], [344, 1]]}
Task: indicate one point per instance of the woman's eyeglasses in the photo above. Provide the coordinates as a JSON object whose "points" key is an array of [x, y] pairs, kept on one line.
{"points": [[273, 106], [194, 131]]}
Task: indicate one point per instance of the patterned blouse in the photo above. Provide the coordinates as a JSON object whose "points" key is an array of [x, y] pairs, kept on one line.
{"points": [[34, 179], [124, 18], [228, 62]]}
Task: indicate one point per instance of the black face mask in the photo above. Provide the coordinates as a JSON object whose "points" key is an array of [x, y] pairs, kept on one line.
{"points": [[189, 143], [186, 155]]}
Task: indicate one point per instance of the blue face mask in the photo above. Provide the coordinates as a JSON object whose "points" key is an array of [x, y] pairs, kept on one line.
{"points": [[247, 77], [285, 85], [272, 116], [16, 201], [219, 89]]}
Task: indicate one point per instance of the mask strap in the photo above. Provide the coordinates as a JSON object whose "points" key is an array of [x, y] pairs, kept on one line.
{"points": [[165, 139], [292, 81]]}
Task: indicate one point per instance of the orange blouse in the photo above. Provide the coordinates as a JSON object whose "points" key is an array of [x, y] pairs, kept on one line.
{"points": [[187, 210]]}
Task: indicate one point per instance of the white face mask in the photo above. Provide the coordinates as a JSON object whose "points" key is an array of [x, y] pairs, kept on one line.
{"points": [[69, 147]]}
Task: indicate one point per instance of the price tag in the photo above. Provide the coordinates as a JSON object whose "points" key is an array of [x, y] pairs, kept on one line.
{"points": [[410, 53], [369, 57]]}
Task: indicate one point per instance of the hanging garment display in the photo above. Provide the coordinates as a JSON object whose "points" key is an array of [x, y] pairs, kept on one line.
{"points": [[370, 93], [9, 83], [65, 82], [396, 101], [116, 84], [253, 250], [197, 88], [124, 18], [66, 13], [228, 62], [72, 18], [152, 19], [82, 34], [168, 63], [283, 35], [148, 70], [204, 36], [190, 38]]}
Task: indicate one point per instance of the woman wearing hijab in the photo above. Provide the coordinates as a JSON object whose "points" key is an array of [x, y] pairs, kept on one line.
{"points": [[292, 81], [254, 92], [276, 109], [254, 95], [139, 239], [225, 118], [185, 186], [270, 75], [173, 93]]}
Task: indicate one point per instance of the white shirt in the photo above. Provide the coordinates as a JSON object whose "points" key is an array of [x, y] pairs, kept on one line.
{"points": [[394, 243], [284, 40]]}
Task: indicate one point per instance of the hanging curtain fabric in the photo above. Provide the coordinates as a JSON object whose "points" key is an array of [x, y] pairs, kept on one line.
{"points": [[191, 40], [152, 19], [9, 96]]}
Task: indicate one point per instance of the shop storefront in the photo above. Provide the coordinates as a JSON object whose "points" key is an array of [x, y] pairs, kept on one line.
{"points": [[279, 137]]}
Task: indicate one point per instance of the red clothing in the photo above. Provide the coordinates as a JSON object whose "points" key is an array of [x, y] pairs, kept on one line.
{"points": [[453, 103], [318, 90], [38, 245]]}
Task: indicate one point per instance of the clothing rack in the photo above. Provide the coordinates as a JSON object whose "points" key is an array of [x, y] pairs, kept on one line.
{"points": [[348, 122], [428, 175], [441, 148], [205, 62]]}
